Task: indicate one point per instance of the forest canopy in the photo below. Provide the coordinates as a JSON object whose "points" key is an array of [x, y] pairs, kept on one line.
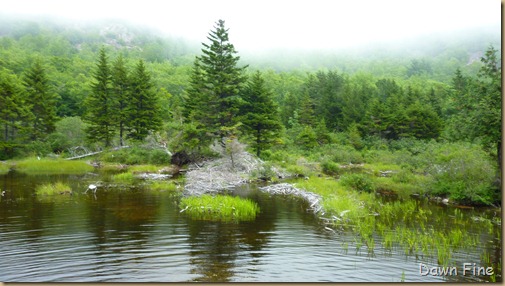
{"points": [[113, 84]]}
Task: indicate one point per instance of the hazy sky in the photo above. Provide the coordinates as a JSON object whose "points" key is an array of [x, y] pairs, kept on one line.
{"points": [[275, 23]]}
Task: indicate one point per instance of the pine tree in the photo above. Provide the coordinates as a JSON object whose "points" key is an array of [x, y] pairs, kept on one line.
{"points": [[260, 116], [216, 84], [306, 112], [121, 92], [100, 104], [144, 113], [41, 102], [488, 110], [13, 111]]}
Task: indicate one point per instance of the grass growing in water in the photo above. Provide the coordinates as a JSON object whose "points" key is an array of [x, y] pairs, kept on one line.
{"points": [[406, 224], [48, 166], [53, 189], [162, 186], [144, 169], [219, 208], [126, 178], [4, 168]]}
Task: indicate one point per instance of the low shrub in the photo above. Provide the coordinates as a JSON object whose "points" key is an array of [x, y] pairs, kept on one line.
{"points": [[359, 182], [137, 155], [463, 172], [330, 168], [346, 154], [265, 172]]}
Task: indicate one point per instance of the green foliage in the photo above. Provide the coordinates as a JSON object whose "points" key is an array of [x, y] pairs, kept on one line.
{"points": [[330, 168], [216, 82], [121, 89], [47, 166], [162, 186], [53, 189], [14, 114], [4, 168], [307, 138], [100, 104], [219, 208], [137, 155], [40, 100], [464, 173], [123, 178], [143, 107], [355, 137], [70, 132], [344, 154], [259, 115], [359, 182], [265, 172]]}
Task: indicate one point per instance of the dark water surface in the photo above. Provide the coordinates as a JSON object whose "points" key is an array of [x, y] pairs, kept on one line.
{"points": [[139, 236]]}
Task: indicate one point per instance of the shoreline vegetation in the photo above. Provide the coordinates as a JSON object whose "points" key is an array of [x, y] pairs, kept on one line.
{"points": [[354, 201]]}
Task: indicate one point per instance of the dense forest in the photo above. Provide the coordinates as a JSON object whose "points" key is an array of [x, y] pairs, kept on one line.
{"points": [[431, 106]]}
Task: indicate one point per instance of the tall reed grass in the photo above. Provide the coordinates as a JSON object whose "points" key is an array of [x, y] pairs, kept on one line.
{"points": [[219, 208], [53, 189]]}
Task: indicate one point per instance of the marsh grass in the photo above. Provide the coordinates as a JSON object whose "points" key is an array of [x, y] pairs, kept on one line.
{"points": [[144, 169], [53, 189], [162, 186], [219, 208], [48, 166], [399, 223], [4, 168], [124, 178]]}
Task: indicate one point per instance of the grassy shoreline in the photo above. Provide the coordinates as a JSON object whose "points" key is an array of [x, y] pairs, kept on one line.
{"points": [[33, 166]]}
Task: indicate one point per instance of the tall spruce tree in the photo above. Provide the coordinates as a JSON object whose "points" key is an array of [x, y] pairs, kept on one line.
{"points": [[100, 104], [144, 113], [121, 90], [13, 113], [41, 101], [219, 83], [260, 116]]}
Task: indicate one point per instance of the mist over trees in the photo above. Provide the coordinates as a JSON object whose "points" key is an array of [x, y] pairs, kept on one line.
{"points": [[118, 85]]}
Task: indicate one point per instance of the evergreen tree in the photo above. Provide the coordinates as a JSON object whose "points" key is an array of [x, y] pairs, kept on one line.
{"points": [[219, 83], [306, 111], [488, 109], [14, 111], [260, 117], [41, 102], [121, 93], [100, 104], [144, 113]]}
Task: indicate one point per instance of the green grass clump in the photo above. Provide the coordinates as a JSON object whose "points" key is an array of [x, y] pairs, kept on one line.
{"points": [[144, 169], [4, 168], [53, 189], [163, 186], [219, 208], [126, 178], [48, 166]]}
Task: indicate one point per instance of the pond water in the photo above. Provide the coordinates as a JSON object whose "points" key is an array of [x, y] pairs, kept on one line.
{"points": [[135, 235]]}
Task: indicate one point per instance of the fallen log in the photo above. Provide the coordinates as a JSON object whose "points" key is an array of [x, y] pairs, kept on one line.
{"points": [[83, 156]]}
